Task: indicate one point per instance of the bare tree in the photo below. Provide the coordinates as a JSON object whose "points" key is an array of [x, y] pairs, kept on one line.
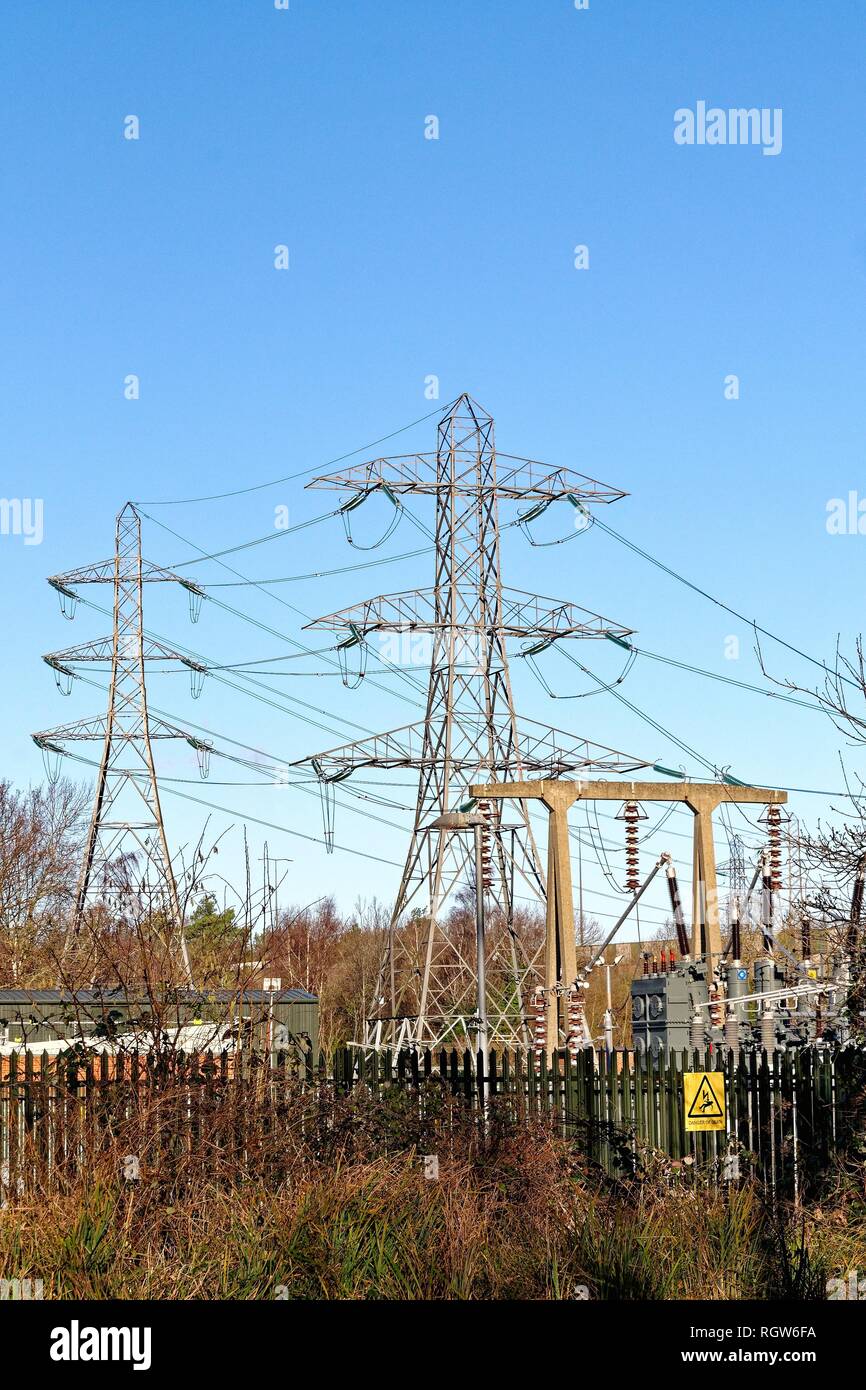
{"points": [[41, 835], [833, 857]]}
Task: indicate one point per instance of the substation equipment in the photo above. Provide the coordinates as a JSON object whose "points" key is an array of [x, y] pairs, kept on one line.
{"points": [[708, 997]]}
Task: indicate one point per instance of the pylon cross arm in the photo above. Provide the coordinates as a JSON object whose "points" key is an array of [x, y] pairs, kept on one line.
{"points": [[103, 572], [96, 728], [521, 615], [520, 479], [528, 480], [102, 650], [542, 749], [404, 474]]}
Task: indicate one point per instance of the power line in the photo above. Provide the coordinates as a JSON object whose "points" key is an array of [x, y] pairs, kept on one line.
{"points": [[681, 579], [273, 535], [803, 791], [321, 574], [223, 680], [264, 627], [727, 680], [290, 477], [660, 728], [309, 791], [316, 839]]}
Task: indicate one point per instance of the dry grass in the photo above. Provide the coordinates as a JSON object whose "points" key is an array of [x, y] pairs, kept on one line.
{"points": [[336, 1207]]}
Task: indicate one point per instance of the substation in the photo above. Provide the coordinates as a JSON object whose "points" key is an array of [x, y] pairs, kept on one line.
{"points": [[482, 772], [697, 995]]}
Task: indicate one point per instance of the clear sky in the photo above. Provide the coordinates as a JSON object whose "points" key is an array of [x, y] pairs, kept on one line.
{"points": [[453, 257]]}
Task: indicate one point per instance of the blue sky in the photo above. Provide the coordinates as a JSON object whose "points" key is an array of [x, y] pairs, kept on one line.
{"points": [[455, 257]]}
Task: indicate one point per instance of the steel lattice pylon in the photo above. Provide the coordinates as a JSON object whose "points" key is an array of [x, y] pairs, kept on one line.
{"points": [[470, 732], [126, 863]]}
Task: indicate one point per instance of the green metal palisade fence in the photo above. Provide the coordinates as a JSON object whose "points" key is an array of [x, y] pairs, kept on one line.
{"points": [[788, 1112]]}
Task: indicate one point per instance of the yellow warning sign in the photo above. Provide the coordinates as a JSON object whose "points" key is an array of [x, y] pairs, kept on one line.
{"points": [[704, 1093]]}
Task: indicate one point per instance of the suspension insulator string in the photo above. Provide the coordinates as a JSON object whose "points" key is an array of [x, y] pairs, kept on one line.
{"points": [[352, 679], [356, 501]]}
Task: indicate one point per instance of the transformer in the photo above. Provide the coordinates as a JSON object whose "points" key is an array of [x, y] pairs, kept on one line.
{"points": [[765, 1007]]}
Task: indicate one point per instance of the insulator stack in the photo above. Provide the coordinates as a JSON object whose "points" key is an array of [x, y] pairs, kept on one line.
{"points": [[732, 1033], [576, 1024], [768, 1030], [774, 838], [484, 810], [696, 1032], [631, 813], [677, 909], [806, 938], [772, 818], [717, 1012], [540, 1030]]}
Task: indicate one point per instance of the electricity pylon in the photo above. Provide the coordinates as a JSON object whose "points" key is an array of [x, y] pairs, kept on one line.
{"points": [[126, 864], [735, 871], [470, 731]]}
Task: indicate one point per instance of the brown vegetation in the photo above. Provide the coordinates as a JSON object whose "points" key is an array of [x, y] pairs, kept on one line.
{"points": [[337, 1207]]}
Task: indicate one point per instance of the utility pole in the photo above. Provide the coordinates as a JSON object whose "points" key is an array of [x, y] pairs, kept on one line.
{"points": [[273, 889], [480, 949], [126, 866], [607, 1025], [476, 822], [470, 731]]}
